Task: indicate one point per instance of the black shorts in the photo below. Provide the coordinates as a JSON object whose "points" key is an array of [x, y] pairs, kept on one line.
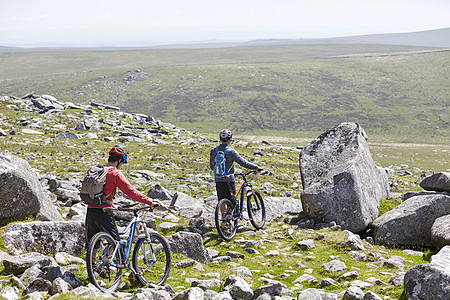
{"points": [[99, 221], [223, 190]]}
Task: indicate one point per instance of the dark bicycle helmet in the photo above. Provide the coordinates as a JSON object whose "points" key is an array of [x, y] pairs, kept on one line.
{"points": [[225, 134], [120, 152]]}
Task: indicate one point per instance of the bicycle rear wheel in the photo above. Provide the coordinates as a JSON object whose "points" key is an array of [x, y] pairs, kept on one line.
{"points": [[102, 259], [256, 210], [151, 260], [225, 223]]}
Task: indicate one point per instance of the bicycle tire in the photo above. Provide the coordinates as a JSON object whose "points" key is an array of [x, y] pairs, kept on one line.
{"points": [[256, 210], [148, 270], [225, 223], [98, 257]]}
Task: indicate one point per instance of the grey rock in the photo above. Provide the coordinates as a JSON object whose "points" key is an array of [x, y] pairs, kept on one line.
{"points": [[353, 293], [360, 284], [349, 275], [353, 241], [272, 290], [186, 205], [59, 286], [305, 278], [68, 135], [38, 285], [208, 284], [234, 254], [410, 223], [239, 289], [167, 226], [21, 193], [248, 243], [18, 264], [397, 279], [189, 244], [340, 179], [439, 182], [335, 266], [45, 237], [408, 195], [440, 232], [315, 294], [9, 293], [369, 295], [31, 274], [220, 259], [184, 263], [395, 262], [306, 244], [159, 192], [430, 280], [327, 282], [194, 293], [243, 272], [277, 207]]}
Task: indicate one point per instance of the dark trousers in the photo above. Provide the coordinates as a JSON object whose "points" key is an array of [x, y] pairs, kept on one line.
{"points": [[99, 221], [223, 190]]}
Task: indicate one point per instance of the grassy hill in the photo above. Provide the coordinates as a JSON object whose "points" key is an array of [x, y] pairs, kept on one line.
{"points": [[397, 93]]}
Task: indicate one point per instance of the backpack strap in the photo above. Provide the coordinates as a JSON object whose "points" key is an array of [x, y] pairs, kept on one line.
{"points": [[114, 190]]}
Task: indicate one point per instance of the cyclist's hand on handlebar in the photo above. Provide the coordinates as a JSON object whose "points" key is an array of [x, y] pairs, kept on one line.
{"points": [[259, 170]]}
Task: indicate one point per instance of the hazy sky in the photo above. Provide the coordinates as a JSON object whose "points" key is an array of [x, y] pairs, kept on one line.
{"points": [[28, 22]]}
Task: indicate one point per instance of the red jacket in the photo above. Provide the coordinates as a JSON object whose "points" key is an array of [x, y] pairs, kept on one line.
{"points": [[114, 179]]}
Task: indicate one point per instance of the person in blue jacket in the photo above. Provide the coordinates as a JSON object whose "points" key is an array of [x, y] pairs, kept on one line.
{"points": [[225, 185]]}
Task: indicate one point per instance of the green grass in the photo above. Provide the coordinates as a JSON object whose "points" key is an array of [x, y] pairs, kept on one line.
{"points": [[252, 90]]}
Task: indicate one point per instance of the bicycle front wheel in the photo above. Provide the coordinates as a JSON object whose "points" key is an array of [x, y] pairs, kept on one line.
{"points": [[151, 260], [225, 223], [102, 260], [256, 210]]}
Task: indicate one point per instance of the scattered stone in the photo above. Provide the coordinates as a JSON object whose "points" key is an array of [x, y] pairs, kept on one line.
{"points": [[335, 266], [306, 244], [439, 182], [430, 280], [440, 232], [409, 224]]}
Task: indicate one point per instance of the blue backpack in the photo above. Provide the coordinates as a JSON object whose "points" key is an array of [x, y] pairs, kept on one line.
{"points": [[219, 167]]}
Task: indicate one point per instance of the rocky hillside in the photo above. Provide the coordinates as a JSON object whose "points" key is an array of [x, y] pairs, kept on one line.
{"points": [[47, 146]]}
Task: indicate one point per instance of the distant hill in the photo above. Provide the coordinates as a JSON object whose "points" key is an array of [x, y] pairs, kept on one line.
{"points": [[430, 38], [439, 38]]}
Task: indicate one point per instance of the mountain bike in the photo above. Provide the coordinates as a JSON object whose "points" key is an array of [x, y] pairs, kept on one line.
{"points": [[107, 257], [227, 215]]}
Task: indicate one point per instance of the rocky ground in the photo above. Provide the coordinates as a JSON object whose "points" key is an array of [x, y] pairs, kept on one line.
{"points": [[291, 258]]}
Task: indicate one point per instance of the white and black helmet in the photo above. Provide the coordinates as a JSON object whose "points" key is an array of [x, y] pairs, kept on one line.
{"points": [[225, 134]]}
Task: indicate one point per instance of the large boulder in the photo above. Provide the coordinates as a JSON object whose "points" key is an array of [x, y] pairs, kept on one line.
{"points": [[440, 232], [409, 224], [45, 237], [430, 281], [340, 179], [21, 193], [439, 182]]}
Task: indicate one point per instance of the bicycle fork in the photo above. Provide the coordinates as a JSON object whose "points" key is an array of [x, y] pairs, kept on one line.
{"points": [[151, 253]]}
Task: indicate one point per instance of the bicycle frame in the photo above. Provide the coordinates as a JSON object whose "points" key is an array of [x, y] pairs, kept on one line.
{"points": [[242, 187], [132, 227]]}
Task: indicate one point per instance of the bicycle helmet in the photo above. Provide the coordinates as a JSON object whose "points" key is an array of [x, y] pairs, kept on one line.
{"points": [[225, 134], [120, 152]]}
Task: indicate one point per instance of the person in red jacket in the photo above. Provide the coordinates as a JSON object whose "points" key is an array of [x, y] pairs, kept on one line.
{"points": [[98, 220]]}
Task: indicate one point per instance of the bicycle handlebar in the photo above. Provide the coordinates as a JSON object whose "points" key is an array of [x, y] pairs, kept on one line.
{"points": [[129, 208], [263, 172]]}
